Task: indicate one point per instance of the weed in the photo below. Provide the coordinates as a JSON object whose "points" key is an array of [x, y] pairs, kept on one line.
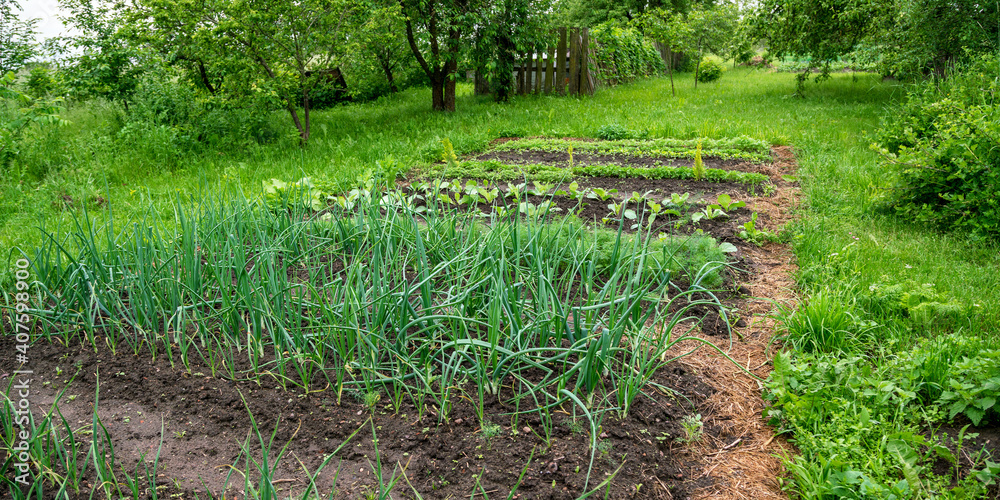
{"points": [[693, 428]]}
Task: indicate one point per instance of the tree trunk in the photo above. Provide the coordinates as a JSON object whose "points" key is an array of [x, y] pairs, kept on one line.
{"points": [[307, 125], [204, 77], [450, 70], [437, 94], [386, 64], [670, 69], [290, 106]]}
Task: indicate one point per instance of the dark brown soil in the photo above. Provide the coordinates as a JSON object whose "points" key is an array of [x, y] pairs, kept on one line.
{"points": [[977, 445], [205, 421]]}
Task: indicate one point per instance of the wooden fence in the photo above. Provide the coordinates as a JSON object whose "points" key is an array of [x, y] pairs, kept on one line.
{"points": [[545, 72]]}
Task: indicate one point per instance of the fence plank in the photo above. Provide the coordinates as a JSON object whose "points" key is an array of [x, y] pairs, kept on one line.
{"points": [[586, 82], [550, 69], [525, 78], [574, 61], [539, 71], [561, 58]]}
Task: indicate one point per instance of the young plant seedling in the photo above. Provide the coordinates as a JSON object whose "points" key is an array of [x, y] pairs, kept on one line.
{"points": [[540, 188], [699, 166], [516, 191], [601, 194], [677, 200], [726, 202], [449, 155], [754, 235], [713, 211]]}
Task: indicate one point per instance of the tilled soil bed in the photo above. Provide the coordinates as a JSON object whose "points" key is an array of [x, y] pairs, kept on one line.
{"points": [[204, 421]]}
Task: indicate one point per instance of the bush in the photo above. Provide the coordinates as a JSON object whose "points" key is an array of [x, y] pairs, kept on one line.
{"points": [[168, 117], [709, 71], [941, 148], [623, 54], [616, 132]]}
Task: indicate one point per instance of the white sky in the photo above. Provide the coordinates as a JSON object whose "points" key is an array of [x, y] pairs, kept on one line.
{"points": [[46, 10]]}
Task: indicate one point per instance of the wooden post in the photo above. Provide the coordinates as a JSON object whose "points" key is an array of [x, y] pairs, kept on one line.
{"points": [[550, 69], [539, 71], [561, 59], [525, 73], [574, 61], [586, 82]]}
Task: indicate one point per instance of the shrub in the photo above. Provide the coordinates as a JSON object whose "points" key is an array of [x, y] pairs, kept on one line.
{"points": [[623, 54], [167, 117], [941, 149], [616, 132], [709, 71]]}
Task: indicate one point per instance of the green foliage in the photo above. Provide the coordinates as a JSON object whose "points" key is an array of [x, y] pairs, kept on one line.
{"points": [[100, 58], [858, 424], [622, 54], [751, 233], [744, 148], [17, 37], [904, 39], [941, 148], [709, 71], [168, 118], [251, 50], [18, 113], [293, 195], [698, 169], [920, 303], [823, 324], [615, 132], [42, 82], [494, 170]]}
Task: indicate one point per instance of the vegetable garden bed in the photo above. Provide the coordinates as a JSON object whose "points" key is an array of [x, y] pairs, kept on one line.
{"points": [[518, 323]]}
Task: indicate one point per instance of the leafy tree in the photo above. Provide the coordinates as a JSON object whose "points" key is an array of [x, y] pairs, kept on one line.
{"points": [[17, 37], [916, 37], [280, 49], [509, 28], [100, 60], [670, 29], [710, 30], [382, 41], [445, 25], [589, 13]]}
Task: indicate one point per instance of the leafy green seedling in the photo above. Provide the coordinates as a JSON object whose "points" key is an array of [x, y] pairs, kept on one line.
{"points": [[726, 202], [677, 200], [713, 211], [540, 188], [754, 235], [602, 194]]}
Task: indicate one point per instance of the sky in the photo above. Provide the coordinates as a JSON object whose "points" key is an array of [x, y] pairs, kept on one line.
{"points": [[45, 10]]}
